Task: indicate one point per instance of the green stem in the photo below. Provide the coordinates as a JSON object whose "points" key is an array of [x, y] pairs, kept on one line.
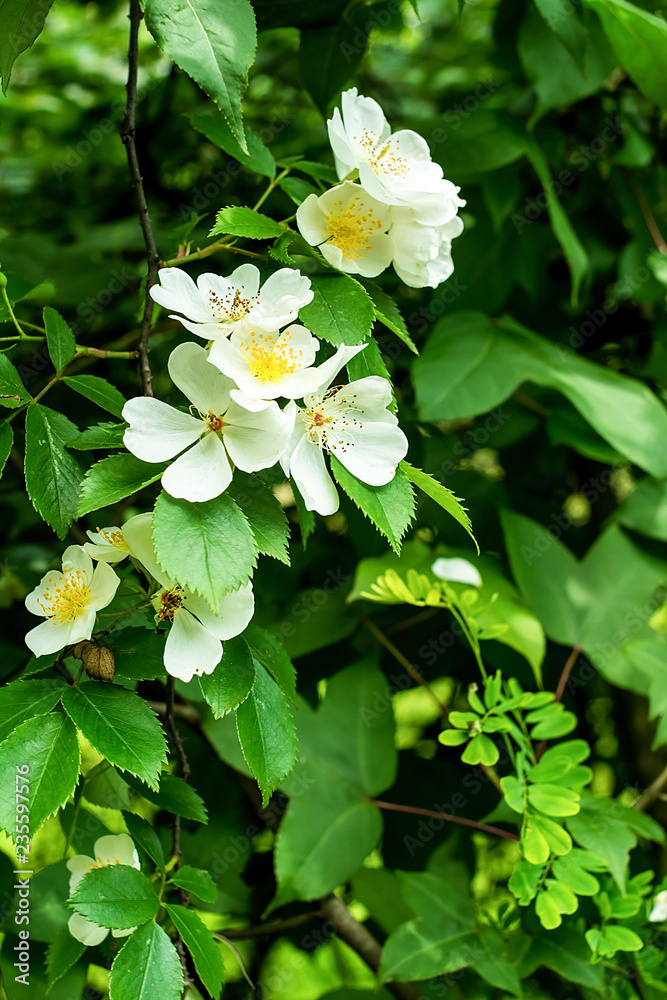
{"points": [[22, 334], [207, 251], [96, 352], [270, 186]]}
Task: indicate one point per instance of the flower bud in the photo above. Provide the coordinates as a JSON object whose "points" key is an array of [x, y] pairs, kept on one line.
{"points": [[98, 660]]}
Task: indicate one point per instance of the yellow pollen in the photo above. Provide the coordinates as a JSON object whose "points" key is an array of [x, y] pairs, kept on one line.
{"points": [[228, 308], [116, 539], [381, 157], [170, 602], [352, 228], [64, 600], [272, 360], [213, 421], [101, 863]]}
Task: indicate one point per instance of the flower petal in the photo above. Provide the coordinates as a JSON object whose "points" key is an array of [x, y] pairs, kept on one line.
{"points": [[254, 439], [311, 220], [50, 638], [331, 368], [116, 848], [74, 557], [138, 532], [201, 473], [190, 648], [79, 866], [456, 571], [157, 431], [309, 471], [373, 452], [178, 291], [205, 387], [103, 586], [281, 296], [54, 578], [86, 931], [234, 614], [245, 279]]}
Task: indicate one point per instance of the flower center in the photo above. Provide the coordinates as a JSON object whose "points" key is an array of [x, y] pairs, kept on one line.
{"points": [[329, 423], [231, 306], [101, 863], [64, 600], [115, 538], [352, 228], [170, 602], [272, 361], [381, 157], [213, 421]]}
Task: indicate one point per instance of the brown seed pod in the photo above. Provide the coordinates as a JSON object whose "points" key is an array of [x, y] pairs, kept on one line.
{"points": [[98, 660]]}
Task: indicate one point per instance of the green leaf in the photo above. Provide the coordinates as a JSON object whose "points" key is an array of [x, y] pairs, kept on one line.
{"points": [[557, 838], [59, 338], [548, 911], [390, 508], [115, 896], [266, 733], [146, 967], [241, 221], [199, 942], [120, 726], [258, 158], [524, 881], [607, 830], [23, 700], [98, 391], [103, 786], [114, 478], [197, 881], [342, 312], [139, 653], [481, 750], [442, 496], [174, 795], [639, 39], [232, 680], [566, 870], [534, 845], [52, 475], [566, 953], [13, 393], [104, 435], [388, 313], [645, 510], [271, 654], [368, 362], [567, 26], [208, 547], [615, 938], [48, 747], [63, 952], [329, 56], [144, 836], [215, 47], [266, 517], [22, 22], [6, 444], [346, 756]]}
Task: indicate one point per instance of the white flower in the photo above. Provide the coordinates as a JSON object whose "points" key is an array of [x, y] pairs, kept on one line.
{"points": [[252, 435], [396, 169], [422, 254], [69, 601], [268, 365], [216, 305], [194, 641], [350, 228], [107, 545], [354, 424], [456, 571], [109, 850], [659, 911]]}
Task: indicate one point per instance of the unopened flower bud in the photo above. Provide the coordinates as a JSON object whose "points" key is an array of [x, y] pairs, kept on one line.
{"points": [[98, 660]]}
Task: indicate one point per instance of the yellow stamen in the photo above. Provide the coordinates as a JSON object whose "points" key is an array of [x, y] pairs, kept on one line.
{"points": [[170, 602], [272, 360], [64, 600], [352, 228], [116, 539]]}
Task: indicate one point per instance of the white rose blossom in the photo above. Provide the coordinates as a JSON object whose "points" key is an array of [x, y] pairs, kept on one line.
{"points": [[353, 423], [109, 850], [456, 571], [107, 545], [349, 227], [194, 643], [395, 169], [216, 305], [248, 433], [422, 254], [659, 911], [69, 600]]}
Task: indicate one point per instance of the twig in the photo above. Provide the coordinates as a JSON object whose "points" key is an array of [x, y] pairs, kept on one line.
{"points": [[652, 792], [450, 819], [417, 619], [176, 824], [127, 134], [567, 669], [647, 214], [187, 712], [277, 927], [207, 251]]}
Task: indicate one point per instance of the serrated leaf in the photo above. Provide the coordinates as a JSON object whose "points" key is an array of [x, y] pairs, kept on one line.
{"points": [[241, 221], [390, 508], [116, 896], [266, 517], [341, 311], [114, 478], [52, 475], [442, 496], [258, 158], [24, 700], [388, 313], [280, 249], [639, 39], [232, 680], [266, 733], [22, 22], [6, 444], [59, 338], [144, 836], [139, 653], [48, 747], [13, 393], [98, 391], [197, 881], [63, 952], [146, 967], [208, 547], [199, 942], [120, 726], [174, 795], [272, 654], [214, 45], [103, 435]]}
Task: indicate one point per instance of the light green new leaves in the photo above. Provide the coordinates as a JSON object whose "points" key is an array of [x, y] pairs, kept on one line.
{"points": [[442, 496], [115, 478], [52, 474], [24, 700], [241, 221], [115, 896], [22, 21], [208, 547], [486, 361], [146, 967], [199, 942], [639, 39], [214, 44], [346, 754], [120, 726], [59, 338], [48, 746], [390, 508], [266, 733], [341, 312]]}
